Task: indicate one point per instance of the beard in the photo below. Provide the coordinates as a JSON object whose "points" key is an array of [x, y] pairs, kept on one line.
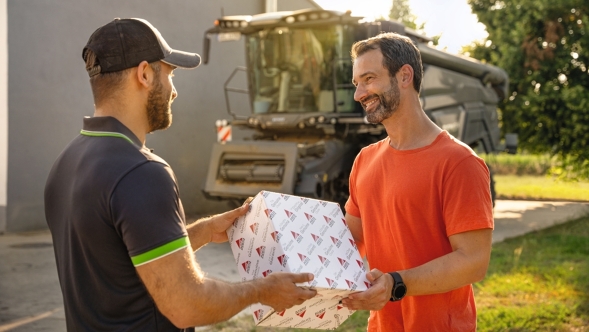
{"points": [[388, 103], [159, 114]]}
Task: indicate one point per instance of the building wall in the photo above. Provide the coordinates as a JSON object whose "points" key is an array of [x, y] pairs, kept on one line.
{"points": [[49, 94], [3, 115]]}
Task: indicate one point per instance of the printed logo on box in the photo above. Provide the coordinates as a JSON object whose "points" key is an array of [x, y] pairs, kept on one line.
{"points": [[297, 236], [285, 197], [343, 263], [323, 260], [351, 285], [290, 215], [317, 239], [329, 221], [305, 200], [319, 314], [281, 313], [271, 255], [304, 259], [276, 236], [254, 227], [353, 243], [332, 283], [265, 273], [261, 250], [265, 194], [344, 221], [246, 266], [240, 243], [336, 241], [282, 259], [269, 213], [301, 312], [310, 218], [360, 264], [259, 314]]}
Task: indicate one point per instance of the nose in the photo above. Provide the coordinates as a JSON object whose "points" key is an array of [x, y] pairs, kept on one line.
{"points": [[359, 93], [174, 92]]}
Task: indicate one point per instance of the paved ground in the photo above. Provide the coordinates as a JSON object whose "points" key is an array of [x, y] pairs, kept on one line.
{"points": [[30, 298]]}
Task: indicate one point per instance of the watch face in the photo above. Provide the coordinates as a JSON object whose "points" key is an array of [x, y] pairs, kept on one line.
{"points": [[400, 291]]}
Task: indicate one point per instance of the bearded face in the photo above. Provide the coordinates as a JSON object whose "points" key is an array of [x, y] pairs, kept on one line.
{"points": [[159, 113], [388, 103]]}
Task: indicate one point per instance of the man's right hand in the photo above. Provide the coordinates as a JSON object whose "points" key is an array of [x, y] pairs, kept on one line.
{"points": [[279, 290]]}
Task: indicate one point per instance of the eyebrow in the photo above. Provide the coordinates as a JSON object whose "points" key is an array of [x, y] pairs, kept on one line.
{"points": [[363, 75]]}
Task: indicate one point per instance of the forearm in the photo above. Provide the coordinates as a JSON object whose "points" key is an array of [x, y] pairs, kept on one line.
{"points": [[214, 301], [198, 234], [445, 273], [190, 299]]}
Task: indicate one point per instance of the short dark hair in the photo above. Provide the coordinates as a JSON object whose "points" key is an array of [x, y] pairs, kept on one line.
{"points": [[397, 50], [105, 85]]}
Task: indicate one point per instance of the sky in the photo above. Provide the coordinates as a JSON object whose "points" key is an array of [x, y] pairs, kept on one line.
{"points": [[452, 18]]}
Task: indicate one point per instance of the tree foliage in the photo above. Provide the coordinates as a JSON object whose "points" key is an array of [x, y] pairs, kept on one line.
{"points": [[544, 47], [401, 11]]}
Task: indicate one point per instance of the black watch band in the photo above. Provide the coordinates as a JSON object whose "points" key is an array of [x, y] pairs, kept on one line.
{"points": [[399, 289]]}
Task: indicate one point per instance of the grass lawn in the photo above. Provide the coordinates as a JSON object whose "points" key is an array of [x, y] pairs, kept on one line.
{"points": [[539, 187], [538, 282]]}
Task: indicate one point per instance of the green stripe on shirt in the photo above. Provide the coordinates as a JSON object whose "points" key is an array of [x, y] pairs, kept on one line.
{"points": [[160, 251], [105, 134]]}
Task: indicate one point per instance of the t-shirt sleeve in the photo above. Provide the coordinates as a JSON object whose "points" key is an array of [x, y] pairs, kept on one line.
{"points": [[148, 213], [352, 204], [467, 197]]}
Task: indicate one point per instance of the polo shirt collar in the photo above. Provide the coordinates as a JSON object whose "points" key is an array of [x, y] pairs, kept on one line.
{"points": [[110, 125]]}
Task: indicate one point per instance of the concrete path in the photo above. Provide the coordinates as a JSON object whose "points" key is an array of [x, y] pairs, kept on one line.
{"points": [[30, 297]]}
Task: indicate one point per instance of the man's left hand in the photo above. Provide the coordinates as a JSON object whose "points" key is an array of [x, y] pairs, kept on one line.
{"points": [[218, 224], [376, 297]]}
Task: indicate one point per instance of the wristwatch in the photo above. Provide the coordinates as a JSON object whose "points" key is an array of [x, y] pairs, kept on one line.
{"points": [[399, 289]]}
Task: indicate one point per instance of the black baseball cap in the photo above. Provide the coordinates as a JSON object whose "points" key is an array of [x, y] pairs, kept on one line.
{"points": [[124, 43]]}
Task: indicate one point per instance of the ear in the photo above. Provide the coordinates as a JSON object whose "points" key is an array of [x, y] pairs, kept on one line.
{"points": [[144, 74], [405, 76]]}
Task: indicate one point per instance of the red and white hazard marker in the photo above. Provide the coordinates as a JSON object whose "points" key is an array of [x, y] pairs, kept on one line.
{"points": [[223, 131]]}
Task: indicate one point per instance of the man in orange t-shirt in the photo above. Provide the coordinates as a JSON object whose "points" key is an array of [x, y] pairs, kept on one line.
{"points": [[420, 206]]}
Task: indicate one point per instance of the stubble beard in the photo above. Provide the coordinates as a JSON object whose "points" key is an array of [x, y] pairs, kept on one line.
{"points": [[159, 115], [388, 104]]}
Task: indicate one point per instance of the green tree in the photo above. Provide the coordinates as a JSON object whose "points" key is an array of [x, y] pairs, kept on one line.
{"points": [[401, 11], [544, 47]]}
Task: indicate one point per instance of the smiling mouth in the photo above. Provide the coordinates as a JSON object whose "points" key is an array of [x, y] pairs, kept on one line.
{"points": [[369, 103]]}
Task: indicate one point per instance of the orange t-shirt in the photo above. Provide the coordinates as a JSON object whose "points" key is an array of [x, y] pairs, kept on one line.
{"points": [[410, 202]]}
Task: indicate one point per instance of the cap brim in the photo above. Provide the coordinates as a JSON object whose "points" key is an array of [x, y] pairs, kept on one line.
{"points": [[182, 59]]}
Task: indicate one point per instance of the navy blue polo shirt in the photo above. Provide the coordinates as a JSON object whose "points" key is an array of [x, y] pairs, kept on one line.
{"points": [[111, 205]]}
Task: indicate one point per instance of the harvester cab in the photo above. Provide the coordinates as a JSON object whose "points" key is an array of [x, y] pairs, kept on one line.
{"points": [[307, 126]]}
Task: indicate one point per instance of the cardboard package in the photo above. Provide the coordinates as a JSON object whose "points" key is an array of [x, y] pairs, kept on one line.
{"points": [[296, 234]]}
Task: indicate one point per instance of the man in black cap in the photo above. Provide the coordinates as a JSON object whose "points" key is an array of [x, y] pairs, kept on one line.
{"points": [[124, 253]]}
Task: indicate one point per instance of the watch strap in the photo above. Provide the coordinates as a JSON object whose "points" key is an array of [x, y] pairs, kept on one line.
{"points": [[398, 284]]}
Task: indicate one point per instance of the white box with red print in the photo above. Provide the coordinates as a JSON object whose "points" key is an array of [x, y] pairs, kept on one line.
{"points": [[295, 234]]}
